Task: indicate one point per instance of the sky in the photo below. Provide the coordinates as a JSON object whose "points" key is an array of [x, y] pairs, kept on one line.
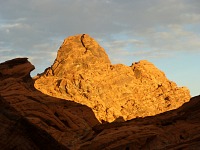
{"points": [[164, 32]]}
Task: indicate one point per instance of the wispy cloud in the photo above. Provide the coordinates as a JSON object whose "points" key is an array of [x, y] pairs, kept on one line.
{"points": [[151, 28], [129, 30]]}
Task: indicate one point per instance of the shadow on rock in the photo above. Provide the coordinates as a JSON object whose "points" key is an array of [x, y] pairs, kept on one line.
{"points": [[32, 120]]}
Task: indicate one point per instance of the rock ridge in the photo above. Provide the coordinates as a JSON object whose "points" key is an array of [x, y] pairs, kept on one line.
{"points": [[83, 73]]}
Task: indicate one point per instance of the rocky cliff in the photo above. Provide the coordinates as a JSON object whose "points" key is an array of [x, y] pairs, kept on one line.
{"points": [[31, 120], [82, 73]]}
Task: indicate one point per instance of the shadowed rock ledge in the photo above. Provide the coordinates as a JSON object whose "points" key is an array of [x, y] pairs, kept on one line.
{"points": [[31, 120]]}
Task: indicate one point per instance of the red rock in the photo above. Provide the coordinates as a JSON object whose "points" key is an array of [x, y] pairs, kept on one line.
{"points": [[176, 129], [30, 120], [82, 72]]}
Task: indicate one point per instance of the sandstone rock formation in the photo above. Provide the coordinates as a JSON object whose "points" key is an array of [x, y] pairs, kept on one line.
{"points": [[31, 120], [174, 130], [82, 72]]}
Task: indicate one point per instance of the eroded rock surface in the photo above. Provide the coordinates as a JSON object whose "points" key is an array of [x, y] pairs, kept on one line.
{"points": [[82, 72], [31, 120], [174, 130]]}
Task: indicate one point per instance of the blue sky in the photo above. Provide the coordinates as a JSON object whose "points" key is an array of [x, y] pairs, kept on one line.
{"points": [[167, 32]]}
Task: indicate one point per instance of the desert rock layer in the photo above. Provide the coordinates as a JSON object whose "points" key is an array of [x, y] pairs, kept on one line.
{"points": [[83, 73], [31, 120]]}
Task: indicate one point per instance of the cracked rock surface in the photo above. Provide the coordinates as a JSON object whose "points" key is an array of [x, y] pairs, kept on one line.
{"points": [[83, 73]]}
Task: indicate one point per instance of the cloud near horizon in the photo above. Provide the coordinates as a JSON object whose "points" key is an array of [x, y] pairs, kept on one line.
{"points": [[126, 29]]}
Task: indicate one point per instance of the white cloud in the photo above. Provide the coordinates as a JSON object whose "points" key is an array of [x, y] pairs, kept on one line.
{"points": [[35, 27], [129, 30], [175, 38]]}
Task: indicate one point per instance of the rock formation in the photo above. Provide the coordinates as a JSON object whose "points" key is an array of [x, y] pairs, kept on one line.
{"points": [[31, 120], [82, 73], [174, 130]]}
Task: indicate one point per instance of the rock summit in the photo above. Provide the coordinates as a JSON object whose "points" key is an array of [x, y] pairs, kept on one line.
{"points": [[83, 73]]}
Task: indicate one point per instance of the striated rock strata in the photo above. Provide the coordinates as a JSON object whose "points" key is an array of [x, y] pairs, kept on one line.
{"points": [[31, 120], [82, 73]]}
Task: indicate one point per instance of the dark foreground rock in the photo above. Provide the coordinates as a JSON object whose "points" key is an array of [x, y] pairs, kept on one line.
{"points": [[31, 120]]}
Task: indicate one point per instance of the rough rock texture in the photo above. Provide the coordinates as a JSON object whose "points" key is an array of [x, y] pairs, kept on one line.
{"points": [[174, 130], [82, 72], [30, 120]]}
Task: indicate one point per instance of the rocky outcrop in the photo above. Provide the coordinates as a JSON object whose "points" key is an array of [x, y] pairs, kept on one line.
{"points": [[31, 120], [173, 130], [82, 73], [17, 132]]}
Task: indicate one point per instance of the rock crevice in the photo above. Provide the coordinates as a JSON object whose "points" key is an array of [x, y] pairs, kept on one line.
{"points": [[82, 38]]}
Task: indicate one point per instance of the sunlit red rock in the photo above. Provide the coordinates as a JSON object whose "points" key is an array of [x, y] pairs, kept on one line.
{"points": [[82, 72]]}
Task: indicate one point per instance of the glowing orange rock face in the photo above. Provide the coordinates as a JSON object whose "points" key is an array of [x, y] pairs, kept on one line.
{"points": [[82, 72]]}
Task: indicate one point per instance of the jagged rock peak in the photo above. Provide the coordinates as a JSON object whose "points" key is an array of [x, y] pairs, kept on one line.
{"points": [[83, 73], [79, 51]]}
